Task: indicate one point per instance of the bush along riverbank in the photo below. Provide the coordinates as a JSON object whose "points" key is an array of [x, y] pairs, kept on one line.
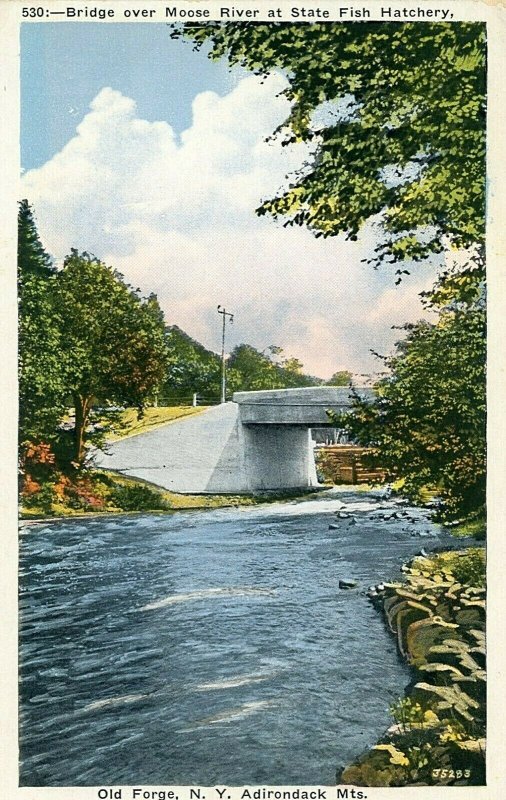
{"points": [[92, 491], [438, 618]]}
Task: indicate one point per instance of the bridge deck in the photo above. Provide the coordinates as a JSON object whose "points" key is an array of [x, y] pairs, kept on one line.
{"points": [[306, 407]]}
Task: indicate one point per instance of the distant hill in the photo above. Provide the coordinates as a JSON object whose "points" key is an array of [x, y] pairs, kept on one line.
{"points": [[192, 368]]}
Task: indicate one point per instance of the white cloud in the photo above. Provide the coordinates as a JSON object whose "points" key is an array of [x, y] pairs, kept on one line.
{"points": [[177, 216]]}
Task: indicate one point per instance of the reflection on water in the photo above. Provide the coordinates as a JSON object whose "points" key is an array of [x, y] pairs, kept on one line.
{"points": [[209, 647]]}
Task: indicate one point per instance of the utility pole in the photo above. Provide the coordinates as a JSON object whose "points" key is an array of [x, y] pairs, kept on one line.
{"points": [[225, 314]]}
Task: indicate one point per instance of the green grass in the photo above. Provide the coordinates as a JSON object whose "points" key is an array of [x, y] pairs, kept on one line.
{"points": [[476, 528], [177, 502], [466, 566], [153, 418]]}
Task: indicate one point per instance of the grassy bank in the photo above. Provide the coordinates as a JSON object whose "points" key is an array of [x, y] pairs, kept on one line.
{"points": [[129, 425], [103, 492], [476, 528], [438, 618]]}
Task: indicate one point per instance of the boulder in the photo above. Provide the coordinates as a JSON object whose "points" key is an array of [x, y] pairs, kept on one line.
{"points": [[424, 634], [347, 583]]}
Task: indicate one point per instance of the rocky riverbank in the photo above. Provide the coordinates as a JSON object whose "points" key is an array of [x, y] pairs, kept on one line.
{"points": [[438, 618]]}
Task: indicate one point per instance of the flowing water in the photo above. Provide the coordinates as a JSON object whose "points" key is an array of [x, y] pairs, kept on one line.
{"points": [[210, 647]]}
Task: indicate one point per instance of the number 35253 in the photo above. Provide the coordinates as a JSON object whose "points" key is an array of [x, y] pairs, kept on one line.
{"points": [[452, 774]]}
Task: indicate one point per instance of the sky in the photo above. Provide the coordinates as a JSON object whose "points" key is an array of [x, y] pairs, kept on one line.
{"points": [[140, 150]]}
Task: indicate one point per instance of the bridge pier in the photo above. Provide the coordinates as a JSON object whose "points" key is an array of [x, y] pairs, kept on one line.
{"points": [[278, 457], [258, 458]]}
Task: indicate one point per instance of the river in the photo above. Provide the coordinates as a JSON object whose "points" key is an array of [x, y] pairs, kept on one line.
{"points": [[211, 647]]}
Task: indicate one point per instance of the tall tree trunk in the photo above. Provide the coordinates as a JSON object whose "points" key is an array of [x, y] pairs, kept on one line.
{"points": [[82, 409]]}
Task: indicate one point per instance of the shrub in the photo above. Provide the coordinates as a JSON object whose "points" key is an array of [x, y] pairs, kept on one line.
{"points": [[467, 567], [137, 497], [44, 498]]}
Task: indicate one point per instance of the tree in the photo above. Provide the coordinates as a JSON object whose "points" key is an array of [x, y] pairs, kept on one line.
{"points": [[403, 131], [113, 340], [250, 369], [395, 116], [340, 378], [191, 368], [42, 365], [427, 423], [32, 258], [289, 369]]}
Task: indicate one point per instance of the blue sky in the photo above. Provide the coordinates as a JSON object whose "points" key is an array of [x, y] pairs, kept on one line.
{"points": [[142, 151], [64, 66]]}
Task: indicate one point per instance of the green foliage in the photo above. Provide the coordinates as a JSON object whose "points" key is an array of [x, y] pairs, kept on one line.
{"points": [[427, 423], [112, 338], [406, 713], [83, 491], [477, 528], [41, 363], [43, 499], [191, 368], [83, 334], [459, 284], [137, 497], [32, 258], [340, 378], [405, 130], [252, 370], [468, 566]]}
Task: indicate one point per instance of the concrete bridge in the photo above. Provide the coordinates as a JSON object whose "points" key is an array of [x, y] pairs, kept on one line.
{"points": [[261, 441]]}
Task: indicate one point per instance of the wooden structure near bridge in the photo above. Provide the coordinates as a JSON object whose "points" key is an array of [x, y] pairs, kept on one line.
{"points": [[343, 463]]}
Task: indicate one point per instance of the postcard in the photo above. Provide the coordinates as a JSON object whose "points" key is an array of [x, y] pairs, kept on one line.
{"points": [[252, 296]]}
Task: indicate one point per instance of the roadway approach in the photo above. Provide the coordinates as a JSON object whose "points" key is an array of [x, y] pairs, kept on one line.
{"points": [[260, 441]]}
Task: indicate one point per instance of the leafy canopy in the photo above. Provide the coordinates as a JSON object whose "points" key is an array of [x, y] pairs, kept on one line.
{"points": [[403, 131], [250, 369], [428, 422], [113, 339], [191, 368], [342, 377]]}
